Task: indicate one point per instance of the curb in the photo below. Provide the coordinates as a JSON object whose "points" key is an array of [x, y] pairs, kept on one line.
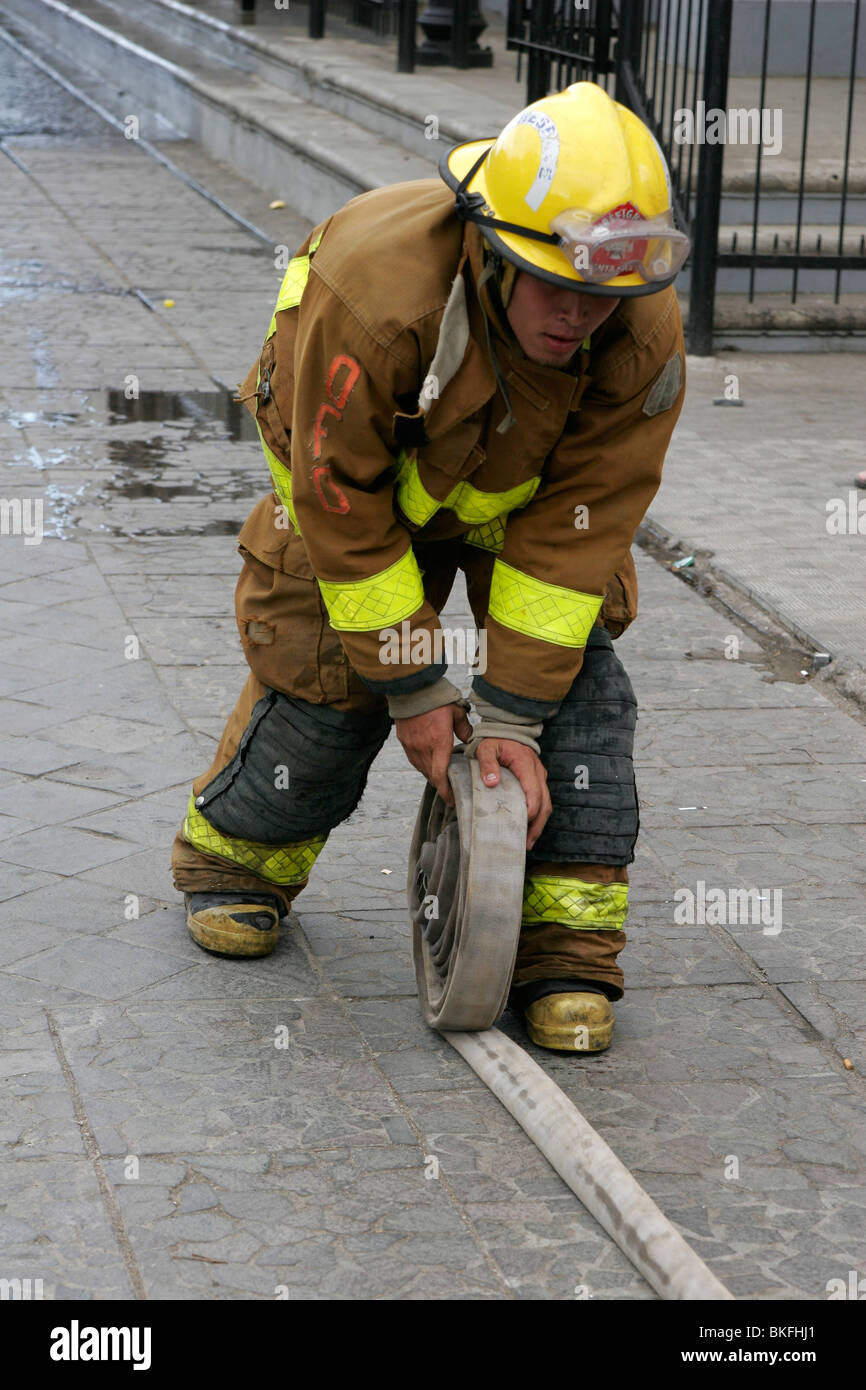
{"points": [[847, 676]]}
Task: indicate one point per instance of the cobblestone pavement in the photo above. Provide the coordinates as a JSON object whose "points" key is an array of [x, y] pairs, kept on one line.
{"points": [[156, 1142]]}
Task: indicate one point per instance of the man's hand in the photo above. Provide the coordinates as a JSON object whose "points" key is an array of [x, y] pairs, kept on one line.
{"points": [[493, 753], [428, 741]]}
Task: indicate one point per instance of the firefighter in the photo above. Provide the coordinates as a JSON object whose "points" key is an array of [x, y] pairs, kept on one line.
{"points": [[480, 373]]}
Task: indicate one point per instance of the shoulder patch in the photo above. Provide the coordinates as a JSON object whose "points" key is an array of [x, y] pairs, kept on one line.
{"points": [[666, 387]]}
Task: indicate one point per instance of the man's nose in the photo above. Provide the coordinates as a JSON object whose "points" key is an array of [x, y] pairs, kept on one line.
{"points": [[576, 309]]}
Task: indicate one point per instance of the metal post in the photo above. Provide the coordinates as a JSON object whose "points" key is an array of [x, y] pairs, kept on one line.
{"points": [[408, 19], [708, 201], [460, 34], [316, 28], [601, 64], [538, 65], [628, 48]]}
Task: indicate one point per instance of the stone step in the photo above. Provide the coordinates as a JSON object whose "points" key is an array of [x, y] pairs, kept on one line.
{"points": [[308, 155], [816, 239]]}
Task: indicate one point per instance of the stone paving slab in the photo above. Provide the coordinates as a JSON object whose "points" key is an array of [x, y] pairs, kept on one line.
{"points": [[60, 1232], [785, 456]]}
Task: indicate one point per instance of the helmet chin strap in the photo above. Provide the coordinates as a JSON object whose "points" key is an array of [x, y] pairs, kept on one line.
{"points": [[491, 276], [505, 281]]}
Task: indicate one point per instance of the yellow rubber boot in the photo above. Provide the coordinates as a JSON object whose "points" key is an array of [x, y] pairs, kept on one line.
{"points": [[579, 1022], [239, 928]]}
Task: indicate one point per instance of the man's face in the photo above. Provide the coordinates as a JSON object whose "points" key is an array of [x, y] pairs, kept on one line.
{"points": [[551, 322]]}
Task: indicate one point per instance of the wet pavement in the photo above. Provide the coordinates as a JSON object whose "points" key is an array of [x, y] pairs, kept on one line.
{"points": [[179, 1126], [161, 446]]}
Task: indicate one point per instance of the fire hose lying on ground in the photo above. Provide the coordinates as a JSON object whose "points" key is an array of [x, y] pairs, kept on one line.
{"points": [[466, 870]]}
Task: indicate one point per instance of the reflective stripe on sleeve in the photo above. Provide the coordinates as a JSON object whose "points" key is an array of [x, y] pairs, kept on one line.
{"points": [[547, 611], [364, 605]]}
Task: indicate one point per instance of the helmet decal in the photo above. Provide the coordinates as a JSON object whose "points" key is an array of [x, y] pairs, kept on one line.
{"points": [[549, 157], [616, 260]]}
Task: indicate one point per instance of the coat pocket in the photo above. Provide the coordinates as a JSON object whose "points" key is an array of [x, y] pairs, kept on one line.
{"points": [[265, 536], [450, 452]]}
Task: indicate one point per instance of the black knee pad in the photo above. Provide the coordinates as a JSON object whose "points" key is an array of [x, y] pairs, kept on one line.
{"points": [[299, 770], [591, 741]]}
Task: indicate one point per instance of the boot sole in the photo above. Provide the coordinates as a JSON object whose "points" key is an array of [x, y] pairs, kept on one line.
{"points": [[237, 942], [566, 1039]]}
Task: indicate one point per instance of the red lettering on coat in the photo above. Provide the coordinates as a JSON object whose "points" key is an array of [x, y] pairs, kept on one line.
{"points": [[320, 430], [353, 371], [331, 496], [329, 493]]}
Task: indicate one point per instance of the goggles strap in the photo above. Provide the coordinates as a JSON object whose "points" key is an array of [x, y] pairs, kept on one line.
{"points": [[468, 207]]}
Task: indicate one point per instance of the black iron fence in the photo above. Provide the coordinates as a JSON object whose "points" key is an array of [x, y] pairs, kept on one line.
{"points": [[561, 42], [755, 110]]}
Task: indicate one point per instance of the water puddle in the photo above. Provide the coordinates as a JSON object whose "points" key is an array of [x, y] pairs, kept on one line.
{"points": [[206, 407], [159, 464]]}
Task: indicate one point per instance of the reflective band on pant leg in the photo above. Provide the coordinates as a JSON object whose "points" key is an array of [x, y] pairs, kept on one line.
{"points": [[569, 902], [284, 864], [300, 769], [586, 749]]}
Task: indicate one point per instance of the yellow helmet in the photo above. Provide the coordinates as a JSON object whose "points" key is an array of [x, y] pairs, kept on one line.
{"points": [[576, 191]]}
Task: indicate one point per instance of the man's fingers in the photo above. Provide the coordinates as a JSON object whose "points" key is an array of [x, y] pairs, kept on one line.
{"points": [[462, 727], [538, 822], [488, 761], [416, 758], [536, 811], [529, 771], [528, 779], [440, 756]]}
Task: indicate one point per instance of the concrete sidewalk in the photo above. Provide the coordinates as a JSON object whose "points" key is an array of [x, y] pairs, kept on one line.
{"points": [[157, 1142]]}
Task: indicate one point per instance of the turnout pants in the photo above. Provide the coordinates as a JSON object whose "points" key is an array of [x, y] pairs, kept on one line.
{"points": [[294, 756]]}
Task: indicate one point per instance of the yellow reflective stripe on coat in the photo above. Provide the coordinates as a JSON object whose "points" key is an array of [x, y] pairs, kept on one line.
{"points": [[469, 503], [294, 283], [281, 477], [414, 500], [536, 609], [569, 902], [364, 605], [490, 536], [276, 863]]}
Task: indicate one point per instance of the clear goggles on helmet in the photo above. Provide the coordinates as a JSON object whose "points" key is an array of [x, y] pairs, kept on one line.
{"points": [[602, 248]]}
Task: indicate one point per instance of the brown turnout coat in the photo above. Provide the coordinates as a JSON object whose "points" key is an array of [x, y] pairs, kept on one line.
{"points": [[343, 396]]}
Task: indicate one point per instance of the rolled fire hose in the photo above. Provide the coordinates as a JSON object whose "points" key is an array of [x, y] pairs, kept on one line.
{"points": [[466, 871]]}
